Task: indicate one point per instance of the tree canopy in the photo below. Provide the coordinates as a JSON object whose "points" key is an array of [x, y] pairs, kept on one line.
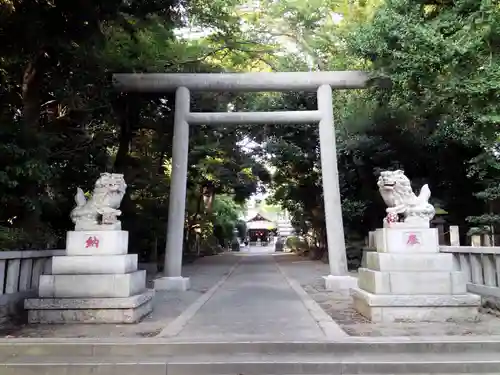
{"points": [[63, 123]]}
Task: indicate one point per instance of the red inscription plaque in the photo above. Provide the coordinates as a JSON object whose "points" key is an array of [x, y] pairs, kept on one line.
{"points": [[92, 241], [413, 239]]}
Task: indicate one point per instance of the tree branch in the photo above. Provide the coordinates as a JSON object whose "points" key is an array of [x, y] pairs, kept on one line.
{"points": [[229, 48]]}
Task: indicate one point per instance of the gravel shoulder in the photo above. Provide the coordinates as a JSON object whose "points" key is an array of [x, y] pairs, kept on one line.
{"points": [[339, 306], [204, 274]]}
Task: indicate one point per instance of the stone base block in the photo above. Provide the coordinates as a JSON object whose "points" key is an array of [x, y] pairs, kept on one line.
{"points": [[431, 308], [95, 264], [407, 240], [172, 283], [89, 310], [114, 242], [92, 286], [444, 283], [417, 224], [408, 262], [340, 282]]}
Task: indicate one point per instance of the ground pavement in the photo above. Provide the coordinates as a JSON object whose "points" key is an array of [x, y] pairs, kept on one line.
{"points": [[256, 295], [256, 302]]}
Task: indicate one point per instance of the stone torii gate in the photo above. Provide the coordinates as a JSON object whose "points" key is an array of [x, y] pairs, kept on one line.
{"points": [[322, 82]]}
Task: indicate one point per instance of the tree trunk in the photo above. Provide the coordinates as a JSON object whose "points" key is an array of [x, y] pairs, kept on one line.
{"points": [[30, 126], [127, 110], [31, 86], [161, 161]]}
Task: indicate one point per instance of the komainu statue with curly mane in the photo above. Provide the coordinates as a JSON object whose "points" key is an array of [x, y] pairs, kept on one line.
{"points": [[100, 212], [400, 199]]}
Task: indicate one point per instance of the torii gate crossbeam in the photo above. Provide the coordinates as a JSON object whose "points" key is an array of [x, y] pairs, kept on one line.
{"points": [[322, 82], [263, 81]]}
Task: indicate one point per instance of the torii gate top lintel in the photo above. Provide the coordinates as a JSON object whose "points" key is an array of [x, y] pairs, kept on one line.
{"points": [[321, 82], [257, 81]]}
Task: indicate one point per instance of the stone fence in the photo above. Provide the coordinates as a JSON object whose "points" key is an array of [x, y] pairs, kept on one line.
{"points": [[479, 262], [255, 243], [19, 276]]}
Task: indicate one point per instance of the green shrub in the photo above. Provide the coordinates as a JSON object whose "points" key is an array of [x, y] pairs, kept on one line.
{"points": [[18, 239], [296, 244]]}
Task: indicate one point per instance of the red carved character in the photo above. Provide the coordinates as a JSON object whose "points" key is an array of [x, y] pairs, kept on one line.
{"points": [[92, 242], [413, 240]]}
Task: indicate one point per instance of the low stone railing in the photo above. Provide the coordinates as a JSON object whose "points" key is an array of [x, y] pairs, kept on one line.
{"points": [[481, 267], [480, 264], [263, 243], [19, 277]]}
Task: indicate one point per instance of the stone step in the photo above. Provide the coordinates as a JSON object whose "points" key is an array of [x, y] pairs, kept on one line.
{"points": [[154, 347], [95, 264], [412, 283], [92, 286], [347, 364]]}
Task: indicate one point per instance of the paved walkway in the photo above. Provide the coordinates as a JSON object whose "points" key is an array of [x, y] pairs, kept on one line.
{"points": [[255, 303]]}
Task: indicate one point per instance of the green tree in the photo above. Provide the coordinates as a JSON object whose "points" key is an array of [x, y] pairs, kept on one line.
{"points": [[429, 120], [64, 123], [226, 213]]}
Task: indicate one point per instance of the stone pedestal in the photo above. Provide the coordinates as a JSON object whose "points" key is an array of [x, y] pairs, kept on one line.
{"points": [[172, 283], [407, 278], [95, 282], [345, 282]]}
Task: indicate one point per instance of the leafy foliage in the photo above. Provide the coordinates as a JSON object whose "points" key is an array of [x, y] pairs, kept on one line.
{"points": [[438, 116], [63, 124]]}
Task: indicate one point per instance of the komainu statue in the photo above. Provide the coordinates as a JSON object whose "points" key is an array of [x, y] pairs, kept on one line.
{"points": [[100, 212], [397, 193]]}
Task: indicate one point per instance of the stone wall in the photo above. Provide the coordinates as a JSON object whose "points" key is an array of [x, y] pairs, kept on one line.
{"points": [[480, 265], [19, 277]]}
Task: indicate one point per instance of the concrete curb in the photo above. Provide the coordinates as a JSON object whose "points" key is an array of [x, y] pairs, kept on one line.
{"points": [[175, 327], [156, 340], [331, 329]]}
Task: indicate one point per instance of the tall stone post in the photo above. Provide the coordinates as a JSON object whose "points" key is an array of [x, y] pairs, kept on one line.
{"points": [[454, 235], [338, 278], [173, 279]]}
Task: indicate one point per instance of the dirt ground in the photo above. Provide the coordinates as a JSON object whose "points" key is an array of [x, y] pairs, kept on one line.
{"points": [[339, 306]]}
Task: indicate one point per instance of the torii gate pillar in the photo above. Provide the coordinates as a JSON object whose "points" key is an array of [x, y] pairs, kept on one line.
{"points": [[322, 82]]}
